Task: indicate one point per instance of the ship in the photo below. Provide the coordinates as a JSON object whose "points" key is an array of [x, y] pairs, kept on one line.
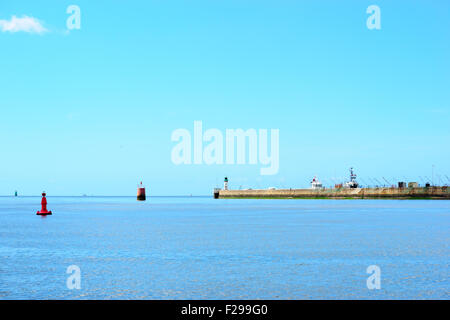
{"points": [[352, 183]]}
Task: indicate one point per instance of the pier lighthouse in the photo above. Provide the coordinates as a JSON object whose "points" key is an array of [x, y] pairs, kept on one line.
{"points": [[141, 192], [225, 183]]}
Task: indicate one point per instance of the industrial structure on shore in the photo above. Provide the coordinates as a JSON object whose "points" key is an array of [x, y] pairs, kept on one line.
{"points": [[348, 190]]}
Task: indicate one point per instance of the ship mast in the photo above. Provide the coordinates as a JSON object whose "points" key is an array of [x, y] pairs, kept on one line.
{"points": [[352, 175]]}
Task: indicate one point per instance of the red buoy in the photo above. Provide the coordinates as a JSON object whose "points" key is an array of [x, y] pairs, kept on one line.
{"points": [[44, 210]]}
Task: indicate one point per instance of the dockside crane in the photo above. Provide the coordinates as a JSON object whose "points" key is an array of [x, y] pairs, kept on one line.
{"points": [[438, 181], [389, 184], [375, 182], [363, 181], [379, 183], [333, 181], [325, 182], [423, 180]]}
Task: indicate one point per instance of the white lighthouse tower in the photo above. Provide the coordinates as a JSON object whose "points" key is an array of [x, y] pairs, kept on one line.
{"points": [[225, 184]]}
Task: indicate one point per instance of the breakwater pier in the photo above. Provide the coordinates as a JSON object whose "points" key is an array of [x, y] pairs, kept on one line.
{"points": [[339, 193]]}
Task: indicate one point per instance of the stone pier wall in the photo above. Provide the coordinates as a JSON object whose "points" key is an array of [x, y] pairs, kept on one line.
{"points": [[358, 193]]}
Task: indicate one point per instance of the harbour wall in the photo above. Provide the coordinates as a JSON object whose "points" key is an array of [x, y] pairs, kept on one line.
{"points": [[357, 193]]}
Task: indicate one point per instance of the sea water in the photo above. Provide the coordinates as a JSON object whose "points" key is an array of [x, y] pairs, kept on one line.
{"points": [[201, 248]]}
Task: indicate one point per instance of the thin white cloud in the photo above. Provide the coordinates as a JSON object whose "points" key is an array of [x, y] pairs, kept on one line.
{"points": [[24, 24]]}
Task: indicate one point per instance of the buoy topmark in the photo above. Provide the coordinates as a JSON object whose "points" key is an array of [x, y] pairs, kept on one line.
{"points": [[44, 210]]}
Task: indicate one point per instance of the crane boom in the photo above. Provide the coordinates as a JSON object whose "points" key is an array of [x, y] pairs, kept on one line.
{"points": [[363, 181], [387, 181], [374, 182]]}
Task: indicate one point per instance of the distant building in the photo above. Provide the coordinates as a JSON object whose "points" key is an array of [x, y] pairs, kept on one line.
{"points": [[402, 184]]}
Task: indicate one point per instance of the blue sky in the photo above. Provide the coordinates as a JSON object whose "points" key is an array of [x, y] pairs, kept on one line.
{"points": [[91, 111]]}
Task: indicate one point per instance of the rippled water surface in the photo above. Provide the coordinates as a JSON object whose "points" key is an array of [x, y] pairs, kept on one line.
{"points": [[201, 248]]}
